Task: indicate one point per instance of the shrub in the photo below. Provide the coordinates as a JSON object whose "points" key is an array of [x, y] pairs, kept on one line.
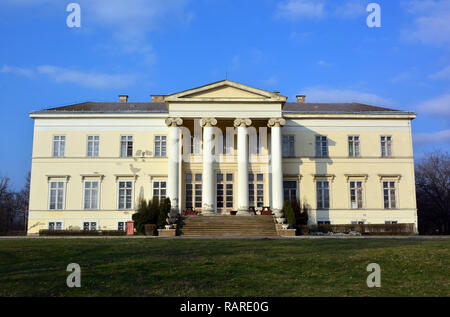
{"points": [[61, 233], [146, 213], [289, 213]]}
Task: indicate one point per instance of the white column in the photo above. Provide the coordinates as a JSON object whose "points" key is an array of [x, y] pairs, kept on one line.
{"points": [[208, 183], [277, 166], [242, 127], [174, 161]]}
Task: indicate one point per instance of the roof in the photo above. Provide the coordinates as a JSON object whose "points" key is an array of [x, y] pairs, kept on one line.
{"points": [[336, 108], [110, 107], [160, 107]]}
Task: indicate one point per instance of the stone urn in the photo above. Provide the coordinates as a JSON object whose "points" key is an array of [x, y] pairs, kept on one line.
{"points": [[281, 220], [168, 227], [285, 226]]}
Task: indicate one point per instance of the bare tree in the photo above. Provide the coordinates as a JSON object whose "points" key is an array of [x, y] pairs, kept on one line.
{"points": [[13, 206], [433, 193]]}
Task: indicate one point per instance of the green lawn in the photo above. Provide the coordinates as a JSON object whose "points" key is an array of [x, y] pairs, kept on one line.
{"points": [[181, 267]]}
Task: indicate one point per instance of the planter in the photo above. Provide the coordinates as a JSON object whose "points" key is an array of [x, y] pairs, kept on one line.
{"points": [[167, 232], [150, 230]]}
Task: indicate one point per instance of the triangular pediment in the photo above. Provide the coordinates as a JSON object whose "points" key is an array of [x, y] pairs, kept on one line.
{"points": [[225, 91]]}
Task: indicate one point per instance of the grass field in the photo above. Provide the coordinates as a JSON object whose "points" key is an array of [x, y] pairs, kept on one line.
{"points": [[154, 267]]}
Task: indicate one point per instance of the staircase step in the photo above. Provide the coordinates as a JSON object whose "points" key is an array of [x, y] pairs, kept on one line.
{"points": [[228, 226]]}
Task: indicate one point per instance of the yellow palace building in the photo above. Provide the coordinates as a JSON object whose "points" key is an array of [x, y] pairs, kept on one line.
{"points": [[218, 149]]}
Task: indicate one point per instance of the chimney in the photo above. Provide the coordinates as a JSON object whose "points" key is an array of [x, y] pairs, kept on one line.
{"points": [[301, 98], [157, 98], [123, 98]]}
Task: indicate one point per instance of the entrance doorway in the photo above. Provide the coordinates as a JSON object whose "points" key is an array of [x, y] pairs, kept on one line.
{"points": [[224, 193]]}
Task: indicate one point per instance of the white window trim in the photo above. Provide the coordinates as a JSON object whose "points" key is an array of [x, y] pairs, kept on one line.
{"points": [[53, 145], [132, 192], [297, 189], [396, 183], [97, 227], [160, 149], [329, 192], [327, 146], [295, 142], [392, 148], [125, 221], [62, 223], [99, 181], [153, 185], [359, 145], [50, 181], [87, 145], [120, 146], [363, 181]]}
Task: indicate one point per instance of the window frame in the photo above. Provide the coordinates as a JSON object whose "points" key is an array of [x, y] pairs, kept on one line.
{"points": [[193, 182], [90, 223], [95, 143], [255, 182], [356, 195], [56, 198], [387, 148], [127, 136], [55, 221], [389, 191], [296, 188], [59, 142], [321, 136], [161, 136], [323, 196], [159, 188], [356, 145], [132, 181], [98, 193], [288, 136]]}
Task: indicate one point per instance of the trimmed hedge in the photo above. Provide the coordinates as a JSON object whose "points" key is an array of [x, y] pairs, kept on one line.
{"points": [[368, 229], [82, 233]]}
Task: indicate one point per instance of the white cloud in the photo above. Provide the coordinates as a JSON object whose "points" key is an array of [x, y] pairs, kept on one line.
{"points": [[324, 94], [351, 9], [427, 139], [439, 106], [323, 63], [295, 9], [88, 79], [443, 74], [16, 71], [128, 22], [431, 22]]}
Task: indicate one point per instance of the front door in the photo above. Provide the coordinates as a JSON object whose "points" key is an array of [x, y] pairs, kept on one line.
{"points": [[224, 193]]}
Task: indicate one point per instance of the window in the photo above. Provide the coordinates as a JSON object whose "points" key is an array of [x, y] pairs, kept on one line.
{"points": [[160, 145], [390, 194], [386, 146], [59, 145], [290, 190], [323, 194], [91, 196], [288, 145], [356, 194], [256, 190], [353, 146], [55, 225], [56, 195], [321, 146], [357, 222], [193, 191], [122, 225], [90, 225], [93, 142], [126, 146], [323, 222], [125, 195], [224, 191], [159, 190], [391, 222]]}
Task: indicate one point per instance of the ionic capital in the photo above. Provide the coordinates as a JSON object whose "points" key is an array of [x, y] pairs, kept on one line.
{"points": [[174, 122], [276, 122], [242, 122], [208, 122]]}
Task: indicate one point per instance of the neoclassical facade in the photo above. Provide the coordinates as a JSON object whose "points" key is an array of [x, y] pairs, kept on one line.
{"points": [[216, 149]]}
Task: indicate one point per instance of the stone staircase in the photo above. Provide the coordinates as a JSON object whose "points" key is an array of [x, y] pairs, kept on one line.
{"points": [[228, 226]]}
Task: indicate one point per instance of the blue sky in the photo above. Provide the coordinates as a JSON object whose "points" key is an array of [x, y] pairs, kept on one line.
{"points": [[321, 48]]}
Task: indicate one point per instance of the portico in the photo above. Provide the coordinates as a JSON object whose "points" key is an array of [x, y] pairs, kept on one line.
{"points": [[227, 113]]}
